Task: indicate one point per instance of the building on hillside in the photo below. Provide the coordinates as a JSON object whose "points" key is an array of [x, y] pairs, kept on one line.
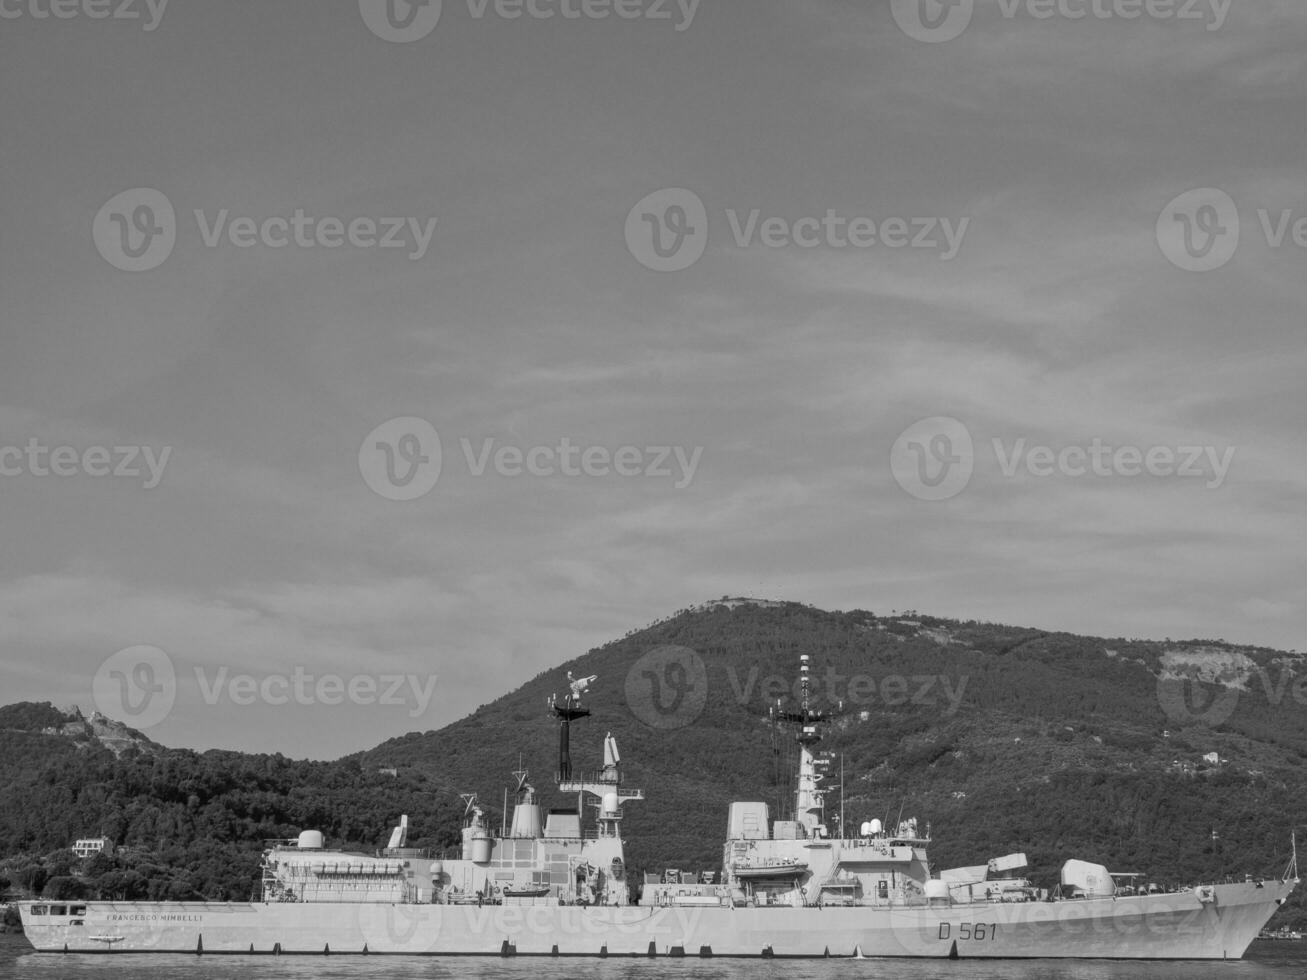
{"points": [[86, 846]]}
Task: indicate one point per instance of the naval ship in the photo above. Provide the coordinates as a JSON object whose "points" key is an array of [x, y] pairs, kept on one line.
{"points": [[556, 884]]}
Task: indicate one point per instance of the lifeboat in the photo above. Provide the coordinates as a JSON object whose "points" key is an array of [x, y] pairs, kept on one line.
{"points": [[782, 869]]}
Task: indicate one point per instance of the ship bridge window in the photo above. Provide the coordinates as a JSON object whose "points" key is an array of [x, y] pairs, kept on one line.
{"points": [[58, 909], [77, 910], [39, 910]]}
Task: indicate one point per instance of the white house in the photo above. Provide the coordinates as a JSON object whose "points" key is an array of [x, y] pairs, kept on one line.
{"points": [[86, 846]]}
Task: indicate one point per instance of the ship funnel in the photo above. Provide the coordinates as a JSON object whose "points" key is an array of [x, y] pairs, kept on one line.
{"points": [[526, 819]]}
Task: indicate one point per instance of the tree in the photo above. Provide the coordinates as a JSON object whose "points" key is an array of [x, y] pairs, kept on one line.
{"points": [[96, 865], [64, 888], [61, 863], [32, 878]]}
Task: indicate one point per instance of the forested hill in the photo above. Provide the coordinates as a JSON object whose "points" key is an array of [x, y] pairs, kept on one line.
{"points": [[1002, 738]]}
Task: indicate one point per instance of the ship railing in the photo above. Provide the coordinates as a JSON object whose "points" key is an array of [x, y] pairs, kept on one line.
{"points": [[608, 776]]}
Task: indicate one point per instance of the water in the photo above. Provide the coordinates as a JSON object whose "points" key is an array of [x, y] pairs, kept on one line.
{"points": [[17, 962]]}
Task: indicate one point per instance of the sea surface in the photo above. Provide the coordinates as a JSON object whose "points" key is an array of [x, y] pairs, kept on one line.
{"points": [[17, 962]]}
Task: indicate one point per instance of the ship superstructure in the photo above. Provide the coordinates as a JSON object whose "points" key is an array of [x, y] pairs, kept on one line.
{"points": [[545, 858], [556, 883]]}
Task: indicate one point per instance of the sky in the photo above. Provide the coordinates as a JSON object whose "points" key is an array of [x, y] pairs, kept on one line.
{"points": [[359, 361]]}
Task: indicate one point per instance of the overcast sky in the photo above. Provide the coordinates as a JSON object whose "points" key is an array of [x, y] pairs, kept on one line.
{"points": [[985, 225]]}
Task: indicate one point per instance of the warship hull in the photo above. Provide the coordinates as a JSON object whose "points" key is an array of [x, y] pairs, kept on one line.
{"points": [[1161, 926]]}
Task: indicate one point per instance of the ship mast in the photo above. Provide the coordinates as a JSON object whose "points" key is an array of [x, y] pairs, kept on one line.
{"points": [[808, 804], [604, 785], [567, 711]]}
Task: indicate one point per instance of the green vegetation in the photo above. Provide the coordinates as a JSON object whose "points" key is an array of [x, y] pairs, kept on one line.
{"points": [[1053, 744]]}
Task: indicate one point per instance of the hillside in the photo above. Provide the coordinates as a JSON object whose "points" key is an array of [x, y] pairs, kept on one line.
{"points": [[46, 719], [1002, 738]]}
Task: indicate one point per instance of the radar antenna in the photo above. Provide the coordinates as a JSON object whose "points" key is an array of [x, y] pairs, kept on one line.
{"points": [[579, 685], [520, 774], [469, 802]]}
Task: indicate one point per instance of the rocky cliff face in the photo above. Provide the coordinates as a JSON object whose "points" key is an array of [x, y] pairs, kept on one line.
{"points": [[71, 723]]}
